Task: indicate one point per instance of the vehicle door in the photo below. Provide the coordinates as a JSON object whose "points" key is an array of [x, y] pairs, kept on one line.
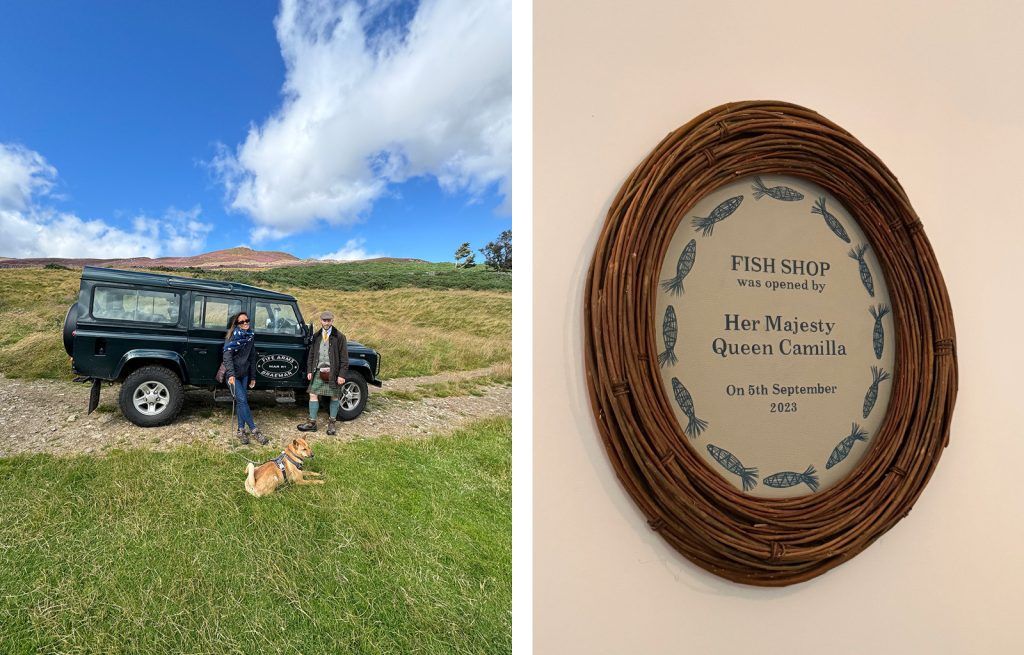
{"points": [[280, 344], [207, 327]]}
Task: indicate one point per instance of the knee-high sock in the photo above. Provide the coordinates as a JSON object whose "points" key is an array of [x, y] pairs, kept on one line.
{"points": [[313, 406], [334, 407]]}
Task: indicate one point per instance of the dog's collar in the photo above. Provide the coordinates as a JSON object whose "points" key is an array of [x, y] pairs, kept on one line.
{"points": [[297, 464]]}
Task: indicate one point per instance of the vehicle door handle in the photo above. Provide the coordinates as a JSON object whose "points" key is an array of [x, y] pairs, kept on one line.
{"points": [[201, 351]]}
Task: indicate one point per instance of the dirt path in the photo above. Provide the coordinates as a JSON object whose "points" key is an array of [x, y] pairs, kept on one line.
{"points": [[48, 416]]}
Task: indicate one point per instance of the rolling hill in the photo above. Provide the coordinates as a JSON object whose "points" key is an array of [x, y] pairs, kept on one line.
{"points": [[240, 257]]}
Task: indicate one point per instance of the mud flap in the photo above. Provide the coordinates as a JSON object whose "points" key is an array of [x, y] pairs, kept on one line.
{"points": [[94, 395]]}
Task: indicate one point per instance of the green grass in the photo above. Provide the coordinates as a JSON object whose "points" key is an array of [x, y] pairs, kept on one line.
{"points": [[421, 331], [406, 548], [33, 303], [471, 387], [364, 276], [417, 331]]}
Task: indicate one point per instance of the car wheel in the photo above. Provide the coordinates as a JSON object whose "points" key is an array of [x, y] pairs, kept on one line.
{"points": [[353, 396], [151, 396]]}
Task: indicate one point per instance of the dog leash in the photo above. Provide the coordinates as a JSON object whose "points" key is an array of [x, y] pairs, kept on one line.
{"points": [[245, 458], [231, 387]]}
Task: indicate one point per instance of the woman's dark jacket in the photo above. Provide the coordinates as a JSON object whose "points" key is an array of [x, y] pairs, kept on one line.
{"points": [[242, 362], [337, 348]]}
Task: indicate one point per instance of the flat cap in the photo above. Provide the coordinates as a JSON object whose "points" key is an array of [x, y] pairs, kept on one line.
{"points": [[326, 315]]}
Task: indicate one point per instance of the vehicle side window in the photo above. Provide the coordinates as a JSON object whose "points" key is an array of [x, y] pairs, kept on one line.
{"points": [[143, 305], [276, 318], [213, 312]]}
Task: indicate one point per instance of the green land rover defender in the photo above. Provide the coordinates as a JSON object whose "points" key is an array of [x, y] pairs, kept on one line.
{"points": [[157, 334]]}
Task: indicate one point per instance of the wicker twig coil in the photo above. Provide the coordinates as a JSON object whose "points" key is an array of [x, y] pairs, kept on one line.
{"points": [[757, 541]]}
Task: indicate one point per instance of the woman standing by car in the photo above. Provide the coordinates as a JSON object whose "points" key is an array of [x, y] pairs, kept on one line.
{"points": [[240, 369]]}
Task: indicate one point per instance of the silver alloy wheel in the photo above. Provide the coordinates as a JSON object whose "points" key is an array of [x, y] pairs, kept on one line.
{"points": [[350, 396], [151, 397]]}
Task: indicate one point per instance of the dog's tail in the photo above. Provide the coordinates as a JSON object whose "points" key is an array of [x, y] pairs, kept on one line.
{"points": [[250, 478]]}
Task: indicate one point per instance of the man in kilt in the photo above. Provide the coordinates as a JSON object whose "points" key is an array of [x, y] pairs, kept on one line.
{"points": [[326, 365]]}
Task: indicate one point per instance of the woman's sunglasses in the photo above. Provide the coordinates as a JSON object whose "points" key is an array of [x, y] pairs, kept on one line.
{"points": [[245, 322]]}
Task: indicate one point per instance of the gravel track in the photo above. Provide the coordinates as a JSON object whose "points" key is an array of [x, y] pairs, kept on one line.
{"points": [[48, 416]]}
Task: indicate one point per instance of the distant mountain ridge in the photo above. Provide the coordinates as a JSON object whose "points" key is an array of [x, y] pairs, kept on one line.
{"points": [[240, 257]]}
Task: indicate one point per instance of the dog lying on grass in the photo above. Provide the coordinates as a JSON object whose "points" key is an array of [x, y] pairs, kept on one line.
{"points": [[286, 467]]}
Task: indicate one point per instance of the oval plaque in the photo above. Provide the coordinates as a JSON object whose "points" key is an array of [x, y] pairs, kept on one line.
{"points": [[769, 346], [772, 321]]}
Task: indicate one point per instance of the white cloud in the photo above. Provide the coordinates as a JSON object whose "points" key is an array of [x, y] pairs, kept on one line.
{"points": [[30, 228], [23, 173], [363, 111], [351, 251], [263, 233], [178, 232]]}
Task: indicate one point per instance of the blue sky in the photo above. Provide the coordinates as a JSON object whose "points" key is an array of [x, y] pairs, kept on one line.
{"points": [[317, 127]]}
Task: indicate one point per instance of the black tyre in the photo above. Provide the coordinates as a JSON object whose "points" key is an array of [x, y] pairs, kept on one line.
{"points": [[70, 323], [354, 395], [151, 396]]}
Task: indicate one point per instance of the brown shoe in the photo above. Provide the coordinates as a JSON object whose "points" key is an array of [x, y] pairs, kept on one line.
{"points": [[242, 437], [330, 426], [260, 437], [308, 426]]}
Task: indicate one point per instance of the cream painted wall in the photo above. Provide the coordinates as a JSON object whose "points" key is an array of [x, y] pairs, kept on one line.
{"points": [[935, 90]]}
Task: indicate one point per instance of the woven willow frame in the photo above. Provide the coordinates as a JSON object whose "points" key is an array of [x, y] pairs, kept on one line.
{"points": [[758, 541]]}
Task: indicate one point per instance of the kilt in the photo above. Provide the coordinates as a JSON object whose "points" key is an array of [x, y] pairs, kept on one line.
{"points": [[321, 388]]}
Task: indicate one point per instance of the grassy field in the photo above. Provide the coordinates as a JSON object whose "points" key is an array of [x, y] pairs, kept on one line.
{"points": [[406, 548], [419, 331], [33, 303], [365, 276], [475, 386]]}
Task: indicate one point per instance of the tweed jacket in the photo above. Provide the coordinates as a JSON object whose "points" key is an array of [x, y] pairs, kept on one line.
{"points": [[337, 349]]}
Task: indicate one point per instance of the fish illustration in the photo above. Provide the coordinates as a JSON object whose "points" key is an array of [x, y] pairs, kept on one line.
{"points": [[733, 465], [843, 448], [865, 274], [878, 337], [723, 211], [669, 331], [792, 478], [696, 425], [778, 192], [830, 220], [877, 375], [686, 258]]}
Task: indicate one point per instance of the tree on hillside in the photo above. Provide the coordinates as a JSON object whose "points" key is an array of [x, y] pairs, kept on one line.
{"points": [[464, 257], [498, 254]]}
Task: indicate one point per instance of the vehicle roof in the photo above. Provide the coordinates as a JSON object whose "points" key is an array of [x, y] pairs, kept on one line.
{"points": [[101, 274]]}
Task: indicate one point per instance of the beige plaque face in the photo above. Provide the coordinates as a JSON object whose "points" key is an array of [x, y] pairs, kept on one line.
{"points": [[775, 336]]}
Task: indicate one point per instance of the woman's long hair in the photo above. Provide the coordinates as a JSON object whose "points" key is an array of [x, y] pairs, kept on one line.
{"points": [[232, 323]]}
